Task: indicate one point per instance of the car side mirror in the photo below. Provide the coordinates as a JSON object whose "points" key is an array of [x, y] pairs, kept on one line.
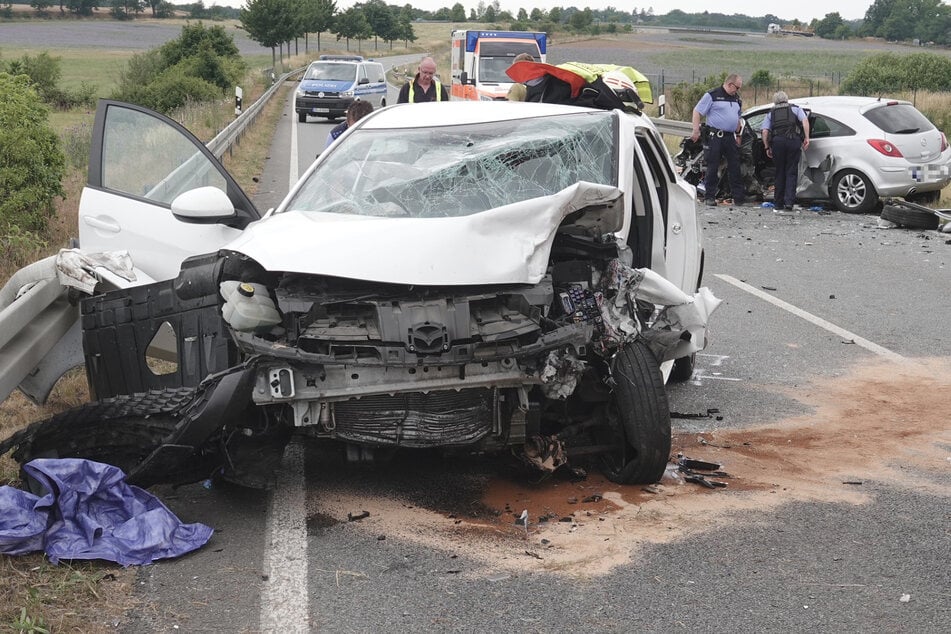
{"points": [[364, 80], [203, 205], [463, 78]]}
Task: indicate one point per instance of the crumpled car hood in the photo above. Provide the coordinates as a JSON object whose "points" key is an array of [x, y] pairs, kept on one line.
{"points": [[505, 245]]}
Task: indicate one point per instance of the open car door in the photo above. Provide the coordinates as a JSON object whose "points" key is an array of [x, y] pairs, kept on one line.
{"points": [[139, 163]]}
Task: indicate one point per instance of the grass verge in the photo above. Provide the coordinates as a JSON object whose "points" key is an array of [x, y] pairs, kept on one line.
{"points": [[95, 596]]}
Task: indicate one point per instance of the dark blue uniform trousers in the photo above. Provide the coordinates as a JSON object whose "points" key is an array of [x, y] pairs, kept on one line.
{"points": [[786, 153], [716, 148]]}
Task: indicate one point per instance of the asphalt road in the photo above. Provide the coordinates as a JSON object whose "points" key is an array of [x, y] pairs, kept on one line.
{"points": [[823, 393]]}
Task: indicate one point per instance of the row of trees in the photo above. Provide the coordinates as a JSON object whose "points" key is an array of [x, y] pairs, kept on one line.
{"points": [[902, 20], [273, 23]]}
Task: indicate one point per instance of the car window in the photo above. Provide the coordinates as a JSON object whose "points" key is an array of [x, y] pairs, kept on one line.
{"points": [[166, 163], [755, 121], [362, 74], [462, 169], [821, 127], [329, 71], [899, 119], [376, 73]]}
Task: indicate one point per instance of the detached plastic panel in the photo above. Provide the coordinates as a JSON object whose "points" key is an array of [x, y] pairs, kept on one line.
{"points": [[119, 326]]}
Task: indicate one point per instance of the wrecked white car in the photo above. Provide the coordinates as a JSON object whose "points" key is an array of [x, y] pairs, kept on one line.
{"points": [[475, 276]]}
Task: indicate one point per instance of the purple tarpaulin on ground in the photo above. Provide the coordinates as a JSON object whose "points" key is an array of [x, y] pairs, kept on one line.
{"points": [[89, 512]]}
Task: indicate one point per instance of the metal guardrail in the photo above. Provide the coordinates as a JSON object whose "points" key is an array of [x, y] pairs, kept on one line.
{"points": [[228, 137], [37, 324], [674, 128]]}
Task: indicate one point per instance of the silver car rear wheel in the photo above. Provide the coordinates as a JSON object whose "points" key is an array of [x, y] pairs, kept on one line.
{"points": [[852, 192]]}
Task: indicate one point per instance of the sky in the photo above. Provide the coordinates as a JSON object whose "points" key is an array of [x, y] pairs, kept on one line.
{"points": [[804, 10]]}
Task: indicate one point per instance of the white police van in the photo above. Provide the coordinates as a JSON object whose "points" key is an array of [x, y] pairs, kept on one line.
{"points": [[333, 82]]}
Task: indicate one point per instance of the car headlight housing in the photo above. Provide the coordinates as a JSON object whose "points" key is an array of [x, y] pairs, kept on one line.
{"points": [[347, 93]]}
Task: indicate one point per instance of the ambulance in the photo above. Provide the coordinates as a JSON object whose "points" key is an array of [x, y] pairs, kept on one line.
{"points": [[480, 59]]}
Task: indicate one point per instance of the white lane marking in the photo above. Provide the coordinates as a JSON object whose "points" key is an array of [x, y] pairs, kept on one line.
{"points": [[818, 321], [284, 600], [294, 170], [717, 359]]}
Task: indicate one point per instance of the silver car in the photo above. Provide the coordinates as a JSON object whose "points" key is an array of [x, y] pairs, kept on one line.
{"points": [[862, 149]]}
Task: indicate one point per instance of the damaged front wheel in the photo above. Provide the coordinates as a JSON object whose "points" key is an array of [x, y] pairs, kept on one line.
{"points": [[638, 418]]}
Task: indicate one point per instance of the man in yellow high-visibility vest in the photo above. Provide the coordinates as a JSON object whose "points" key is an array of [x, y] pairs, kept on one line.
{"points": [[425, 86]]}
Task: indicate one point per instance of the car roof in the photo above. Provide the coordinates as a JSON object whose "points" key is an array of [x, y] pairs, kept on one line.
{"points": [[834, 104], [339, 62], [430, 114]]}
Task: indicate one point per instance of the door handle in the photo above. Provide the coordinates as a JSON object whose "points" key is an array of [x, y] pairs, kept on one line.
{"points": [[106, 225]]}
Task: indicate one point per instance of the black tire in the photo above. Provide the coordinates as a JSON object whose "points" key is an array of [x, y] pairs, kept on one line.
{"points": [[683, 368], [852, 192], [302, 117], [638, 418], [906, 216], [120, 431], [383, 103]]}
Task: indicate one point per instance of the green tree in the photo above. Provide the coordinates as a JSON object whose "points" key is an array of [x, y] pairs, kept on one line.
{"points": [[32, 163], [195, 38], [580, 20], [827, 26], [898, 26], [319, 17], [404, 30], [41, 5], [270, 23], [381, 20], [125, 9], [457, 13], [43, 70], [684, 96], [82, 7], [760, 80], [352, 24]]}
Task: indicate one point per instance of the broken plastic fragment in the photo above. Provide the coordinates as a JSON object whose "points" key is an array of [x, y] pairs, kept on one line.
{"points": [[84, 270], [690, 463]]}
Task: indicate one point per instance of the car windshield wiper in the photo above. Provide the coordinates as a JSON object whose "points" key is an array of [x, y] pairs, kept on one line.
{"points": [[908, 131]]}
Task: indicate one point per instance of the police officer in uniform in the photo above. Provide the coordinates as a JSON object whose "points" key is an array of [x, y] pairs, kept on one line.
{"points": [[721, 107], [355, 111], [425, 86], [785, 135]]}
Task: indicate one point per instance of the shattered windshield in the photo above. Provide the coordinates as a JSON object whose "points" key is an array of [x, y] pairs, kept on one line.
{"points": [[462, 169]]}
